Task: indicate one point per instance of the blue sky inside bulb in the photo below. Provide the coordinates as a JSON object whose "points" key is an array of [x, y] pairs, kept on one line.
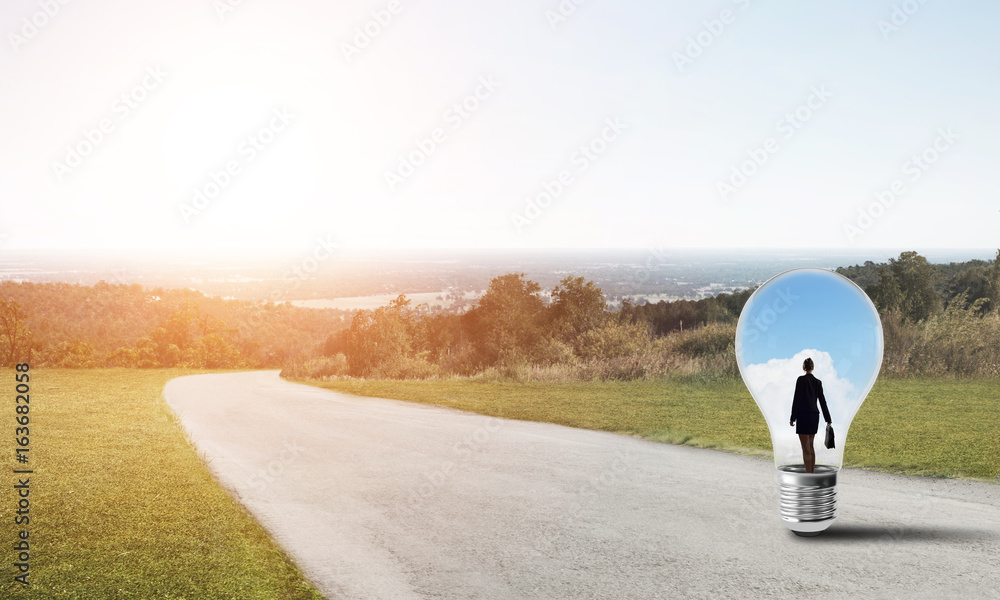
{"points": [[809, 313]]}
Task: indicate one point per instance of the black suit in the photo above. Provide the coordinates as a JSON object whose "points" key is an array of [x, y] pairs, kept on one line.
{"points": [[808, 389]]}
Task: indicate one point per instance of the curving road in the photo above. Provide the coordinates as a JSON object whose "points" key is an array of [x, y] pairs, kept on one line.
{"points": [[385, 499]]}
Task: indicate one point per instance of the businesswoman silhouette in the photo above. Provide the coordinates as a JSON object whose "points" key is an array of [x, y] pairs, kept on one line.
{"points": [[808, 389]]}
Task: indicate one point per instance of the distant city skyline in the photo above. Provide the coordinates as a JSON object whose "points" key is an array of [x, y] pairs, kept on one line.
{"points": [[221, 126]]}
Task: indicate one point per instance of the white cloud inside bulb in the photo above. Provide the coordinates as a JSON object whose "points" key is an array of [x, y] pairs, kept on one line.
{"points": [[773, 386]]}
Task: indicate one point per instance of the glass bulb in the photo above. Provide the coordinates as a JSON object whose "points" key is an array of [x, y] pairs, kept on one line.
{"points": [[820, 315]]}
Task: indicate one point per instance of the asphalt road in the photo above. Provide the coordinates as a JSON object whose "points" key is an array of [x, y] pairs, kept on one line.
{"points": [[384, 499]]}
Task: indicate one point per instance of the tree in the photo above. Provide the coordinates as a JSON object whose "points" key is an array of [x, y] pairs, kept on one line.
{"points": [[886, 294], [15, 339], [123, 357], [577, 307], [145, 350], [438, 335], [70, 355], [336, 343], [214, 352], [864, 275], [970, 285], [380, 337], [507, 322], [907, 287], [177, 329], [991, 285]]}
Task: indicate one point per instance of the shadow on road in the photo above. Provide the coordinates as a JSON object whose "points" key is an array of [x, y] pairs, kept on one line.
{"points": [[899, 534]]}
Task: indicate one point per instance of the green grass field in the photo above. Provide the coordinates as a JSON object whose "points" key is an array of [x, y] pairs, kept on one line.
{"points": [[121, 505], [935, 427]]}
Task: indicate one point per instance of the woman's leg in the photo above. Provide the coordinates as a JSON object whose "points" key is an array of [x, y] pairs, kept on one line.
{"points": [[806, 449], [811, 460]]}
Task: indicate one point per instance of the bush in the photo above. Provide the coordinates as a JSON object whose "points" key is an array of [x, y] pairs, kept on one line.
{"points": [[711, 340], [900, 339], [624, 368], [615, 340], [69, 355], [123, 357], [325, 367], [553, 352], [460, 361], [959, 342]]}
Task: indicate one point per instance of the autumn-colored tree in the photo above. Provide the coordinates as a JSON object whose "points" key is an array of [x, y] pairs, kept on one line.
{"points": [[123, 357], [15, 339], [146, 354], [70, 355], [380, 337], [178, 328], [439, 335], [214, 352], [113, 317], [336, 343]]}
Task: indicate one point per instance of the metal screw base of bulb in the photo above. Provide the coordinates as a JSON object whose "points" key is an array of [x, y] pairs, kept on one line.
{"points": [[807, 501]]}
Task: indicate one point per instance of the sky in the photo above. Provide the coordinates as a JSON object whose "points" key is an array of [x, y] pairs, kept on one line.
{"points": [[222, 124], [812, 308]]}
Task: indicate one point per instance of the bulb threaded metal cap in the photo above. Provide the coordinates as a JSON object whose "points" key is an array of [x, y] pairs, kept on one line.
{"points": [[807, 501]]}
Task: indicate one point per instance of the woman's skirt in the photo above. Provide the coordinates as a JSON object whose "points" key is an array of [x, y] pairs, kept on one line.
{"points": [[807, 423]]}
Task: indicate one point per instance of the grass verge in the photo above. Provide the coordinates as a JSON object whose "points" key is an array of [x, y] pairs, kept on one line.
{"points": [[923, 426], [122, 507]]}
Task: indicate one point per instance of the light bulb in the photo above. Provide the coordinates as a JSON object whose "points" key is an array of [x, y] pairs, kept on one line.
{"points": [[800, 314]]}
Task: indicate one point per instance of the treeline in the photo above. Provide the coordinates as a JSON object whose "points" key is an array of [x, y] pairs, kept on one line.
{"points": [[516, 331], [937, 319], [76, 326], [915, 289], [664, 317]]}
